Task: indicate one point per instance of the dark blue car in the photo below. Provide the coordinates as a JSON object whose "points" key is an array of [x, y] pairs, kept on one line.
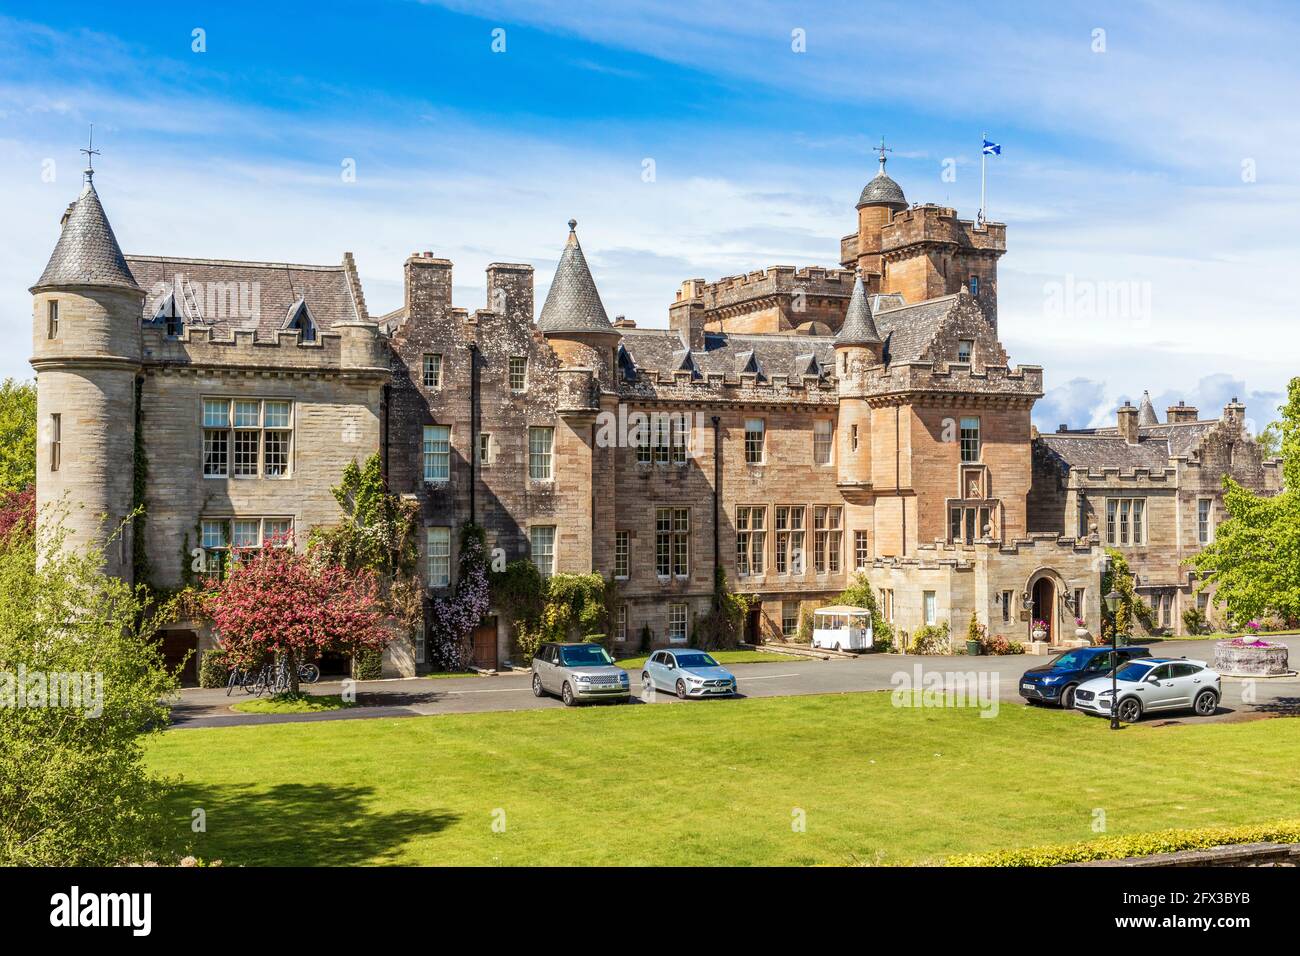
{"points": [[1055, 681]]}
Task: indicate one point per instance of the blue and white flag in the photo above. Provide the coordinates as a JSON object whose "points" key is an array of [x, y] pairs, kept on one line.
{"points": [[992, 149]]}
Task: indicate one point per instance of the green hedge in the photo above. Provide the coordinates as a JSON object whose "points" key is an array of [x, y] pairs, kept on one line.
{"points": [[214, 669], [1136, 844], [368, 664]]}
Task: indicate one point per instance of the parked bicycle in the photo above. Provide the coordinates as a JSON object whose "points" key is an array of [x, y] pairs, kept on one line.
{"points": [[271, 678]]}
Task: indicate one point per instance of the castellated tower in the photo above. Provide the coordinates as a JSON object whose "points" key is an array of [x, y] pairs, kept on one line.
{"points": [[858, 346], [87, 353]]}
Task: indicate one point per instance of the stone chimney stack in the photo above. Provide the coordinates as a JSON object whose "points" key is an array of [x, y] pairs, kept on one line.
{"points": [[1182, 412], [1127, 417], [1235, 412]]}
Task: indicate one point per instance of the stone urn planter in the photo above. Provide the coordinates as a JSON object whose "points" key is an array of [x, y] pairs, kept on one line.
{"points": [[1082, 634], [1250, 657], [1039, 634]]}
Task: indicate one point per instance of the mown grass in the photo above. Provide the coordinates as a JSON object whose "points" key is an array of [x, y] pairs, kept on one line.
{"points": [[292, 704], [722, 657], [710, 783]]}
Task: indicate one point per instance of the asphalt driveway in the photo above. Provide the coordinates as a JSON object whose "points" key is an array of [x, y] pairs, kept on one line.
{"points": [[871, 672]]}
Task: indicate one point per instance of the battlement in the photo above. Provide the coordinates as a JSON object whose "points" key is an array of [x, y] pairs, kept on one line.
{"points": [[878, 382], [774, 280], [717, 387], [351, 347], [939, 224]]}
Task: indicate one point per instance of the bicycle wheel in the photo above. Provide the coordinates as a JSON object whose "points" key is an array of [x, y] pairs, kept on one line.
{"points": [[308, 674]]}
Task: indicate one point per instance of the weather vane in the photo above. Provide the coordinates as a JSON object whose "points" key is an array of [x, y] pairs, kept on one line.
{"points": [[91, 153], [882, 149]]}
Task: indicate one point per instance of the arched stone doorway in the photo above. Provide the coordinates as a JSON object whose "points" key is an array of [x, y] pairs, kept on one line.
{"points": [[1044, 598]]}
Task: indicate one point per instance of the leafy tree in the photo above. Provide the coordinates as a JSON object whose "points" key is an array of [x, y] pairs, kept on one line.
{"points": [[1254, 560], [377, 534], [279, 601], [17, 435], [18, 513], [82, 688], [378, 530], [1119, 578]]}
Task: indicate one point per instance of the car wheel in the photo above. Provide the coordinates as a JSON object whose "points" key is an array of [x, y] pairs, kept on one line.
{"points": [[566, 695], [1130, 710], [1067, 695], [681, 689], [538, 690], [647, 685], [1207, 702]]}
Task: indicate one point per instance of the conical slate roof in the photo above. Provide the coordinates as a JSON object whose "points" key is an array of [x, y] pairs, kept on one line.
{"points": [[573, 304], [859, 327], [882, 191], [87, 252], [1147, 411]]}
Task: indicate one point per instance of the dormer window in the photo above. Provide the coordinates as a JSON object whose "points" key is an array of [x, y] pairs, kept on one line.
{"points": [[170, 317], [299, 319], [964, 349]]}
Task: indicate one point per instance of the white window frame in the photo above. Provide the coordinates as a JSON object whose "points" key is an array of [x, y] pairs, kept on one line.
{"points": [[517, 373], [484, 449], [224, 427], [1204, 521], [620, 624], [541, 453], [438, 556], [971, 449], [789, 625], [622, 554], [755, 441], [52, 319], [217, 551], [437, 454], [679, 623], [930, 607], [672, 543], [828, 538], [541, 544], [1126, 522], [431, 370]]}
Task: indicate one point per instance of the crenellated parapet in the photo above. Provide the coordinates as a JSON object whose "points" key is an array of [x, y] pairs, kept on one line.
{"points": [[954, 381], [685, 386], [931, 224], [352, 348]]}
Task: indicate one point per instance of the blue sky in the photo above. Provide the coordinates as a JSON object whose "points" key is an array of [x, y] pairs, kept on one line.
{"points": [[1148, 177]]}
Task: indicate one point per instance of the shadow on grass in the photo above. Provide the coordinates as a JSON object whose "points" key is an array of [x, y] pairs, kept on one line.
{"points": [[293, 824]]}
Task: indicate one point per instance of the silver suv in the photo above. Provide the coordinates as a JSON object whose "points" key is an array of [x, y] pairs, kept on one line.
{"points": [[578, 672]]}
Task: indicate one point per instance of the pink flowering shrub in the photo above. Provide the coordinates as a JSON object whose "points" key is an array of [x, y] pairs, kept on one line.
{"points": [[278, 601]]}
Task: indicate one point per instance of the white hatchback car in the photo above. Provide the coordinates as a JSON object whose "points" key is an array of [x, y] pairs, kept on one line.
{"points": [[1150, 685]]}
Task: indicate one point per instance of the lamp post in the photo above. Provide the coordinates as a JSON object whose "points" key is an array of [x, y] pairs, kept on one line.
{"points": [[1112, 605]]}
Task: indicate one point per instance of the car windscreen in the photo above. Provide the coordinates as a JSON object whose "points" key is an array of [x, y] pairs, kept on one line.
{"points": [[695, 660], [1071, 661], [589, 655], [1133, 671]]}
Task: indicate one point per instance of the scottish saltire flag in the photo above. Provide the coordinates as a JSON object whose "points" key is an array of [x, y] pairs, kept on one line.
{"points": [[992, 149]]}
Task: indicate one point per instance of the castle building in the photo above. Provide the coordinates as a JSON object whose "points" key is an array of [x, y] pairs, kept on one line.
{"points": [[793, 427]]}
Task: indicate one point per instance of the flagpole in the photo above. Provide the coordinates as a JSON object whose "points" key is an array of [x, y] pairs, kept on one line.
{"points": [[983, 159]]}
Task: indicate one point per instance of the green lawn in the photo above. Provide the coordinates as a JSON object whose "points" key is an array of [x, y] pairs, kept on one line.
{"points": [[710, 782], [722, 657], [288, 704]]}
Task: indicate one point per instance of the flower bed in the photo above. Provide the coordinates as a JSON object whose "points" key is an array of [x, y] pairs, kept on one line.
{"points": [[1251, 657]]}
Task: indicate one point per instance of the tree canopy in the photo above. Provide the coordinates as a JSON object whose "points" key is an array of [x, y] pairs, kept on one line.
{"points": [[1254, 560], [17, 435]]}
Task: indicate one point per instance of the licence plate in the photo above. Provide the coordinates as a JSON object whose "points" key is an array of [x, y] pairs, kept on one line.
{"points": [[1026, 686]]}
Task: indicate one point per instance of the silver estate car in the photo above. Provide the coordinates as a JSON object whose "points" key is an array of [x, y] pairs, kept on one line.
{"points": [[687, 673], [578, 672]]}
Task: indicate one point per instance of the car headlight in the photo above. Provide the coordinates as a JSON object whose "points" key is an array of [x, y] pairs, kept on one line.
{"points": [[1105, 693], [582, 678], [1049, 680], [693, 679]]}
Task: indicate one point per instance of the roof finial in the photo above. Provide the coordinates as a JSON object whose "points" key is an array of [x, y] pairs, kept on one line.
{"points": [[882, 149], [573, 225], [91, 153]]}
